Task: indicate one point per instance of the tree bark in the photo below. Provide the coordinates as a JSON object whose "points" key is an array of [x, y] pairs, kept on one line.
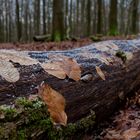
{"points": [[135, 16], [94, 94], [58, 20], [100, 17], [113, 23], [18, 21]]}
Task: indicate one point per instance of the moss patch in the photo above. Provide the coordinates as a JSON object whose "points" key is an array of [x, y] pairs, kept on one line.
{"points": [[34, 122], [121, 55]]}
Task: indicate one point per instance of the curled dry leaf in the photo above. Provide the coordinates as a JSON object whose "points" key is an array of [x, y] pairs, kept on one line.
{"points": [[112, 46], [130, 134], [18, 57], [101, 47], [129, 55], [60, 66], [100, 73], [54, 68], [55, 102], [8, 71]]}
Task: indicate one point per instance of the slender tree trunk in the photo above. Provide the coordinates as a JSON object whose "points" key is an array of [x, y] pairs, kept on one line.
{"points": [[18, 22], [58, 20], [135, 15], [113, 24], [88, 17], [44, 16], [26, 21], [95, 17], [122, 18], [100, 17], [70, 18], [37, 17]]}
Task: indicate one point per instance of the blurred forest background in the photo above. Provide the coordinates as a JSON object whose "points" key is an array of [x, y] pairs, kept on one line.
{"points": [[20, 20]]}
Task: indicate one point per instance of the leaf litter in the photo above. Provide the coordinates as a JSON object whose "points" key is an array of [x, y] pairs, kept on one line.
{"points": [[125, 125], [59, 66], [55, 103]]}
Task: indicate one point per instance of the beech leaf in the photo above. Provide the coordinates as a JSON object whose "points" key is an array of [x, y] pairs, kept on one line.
{"points": [[60, 66], [54, 68], [55, 102], [18, 57], [8, 71], [100, 73], [130, 133]]}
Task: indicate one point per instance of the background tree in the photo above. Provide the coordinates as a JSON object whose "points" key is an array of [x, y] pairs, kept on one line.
{"points": [[135, 15], [100, 16], [113, 24], [88, 17], [58, 20], [37, 16], [44, 17], [18, 22]]}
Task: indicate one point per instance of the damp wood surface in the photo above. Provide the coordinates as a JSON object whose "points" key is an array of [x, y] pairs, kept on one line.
{"points": [[83, 96]]}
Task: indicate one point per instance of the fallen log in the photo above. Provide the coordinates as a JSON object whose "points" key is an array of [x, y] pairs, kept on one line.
{"points": [[42, 38], [98, 92]]}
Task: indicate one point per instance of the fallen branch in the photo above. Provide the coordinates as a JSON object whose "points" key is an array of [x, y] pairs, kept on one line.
{"points": [[109, 71]]}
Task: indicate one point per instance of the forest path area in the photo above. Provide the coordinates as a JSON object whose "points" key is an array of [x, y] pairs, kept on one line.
{"points": [[63, 45], [123, 125]]}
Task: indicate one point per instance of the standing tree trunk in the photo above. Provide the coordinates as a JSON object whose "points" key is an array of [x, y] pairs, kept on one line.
{"points": [[100, 17], [122, 17], [58, 20], [44, 16], [95, 17], [26, 20], [88, 17], [113, 24], [37, 17], [19, 31], [135, 15]]}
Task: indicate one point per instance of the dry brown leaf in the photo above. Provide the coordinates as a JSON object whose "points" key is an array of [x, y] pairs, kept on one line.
{"points": [[18, 57], [8, 71], [130, 134], [101, 47], [72, 69], [100, 73], [104, 60], [129, 55], [54, 68], [112, 46], [62, 66], [55, 102]]}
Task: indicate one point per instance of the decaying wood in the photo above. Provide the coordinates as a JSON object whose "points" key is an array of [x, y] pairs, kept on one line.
{"points": [[91, 92], [42, 38]]}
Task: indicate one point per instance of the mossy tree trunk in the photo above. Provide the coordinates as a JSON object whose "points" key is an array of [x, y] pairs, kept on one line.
{"points": [[88, 100], [100, 17], [113, 23], [135, 16], [88, 17], [58, 20]]}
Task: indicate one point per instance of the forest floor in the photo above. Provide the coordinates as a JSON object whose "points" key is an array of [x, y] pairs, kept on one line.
{"points": [[64, 45], [125, 124]]}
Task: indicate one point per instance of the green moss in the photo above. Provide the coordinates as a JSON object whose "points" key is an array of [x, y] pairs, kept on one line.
{"points": [[37, 121], [21, 135], [113, 31], [8, 112], [24, 102], [95, 38], [121, 55], [57, 37]]}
